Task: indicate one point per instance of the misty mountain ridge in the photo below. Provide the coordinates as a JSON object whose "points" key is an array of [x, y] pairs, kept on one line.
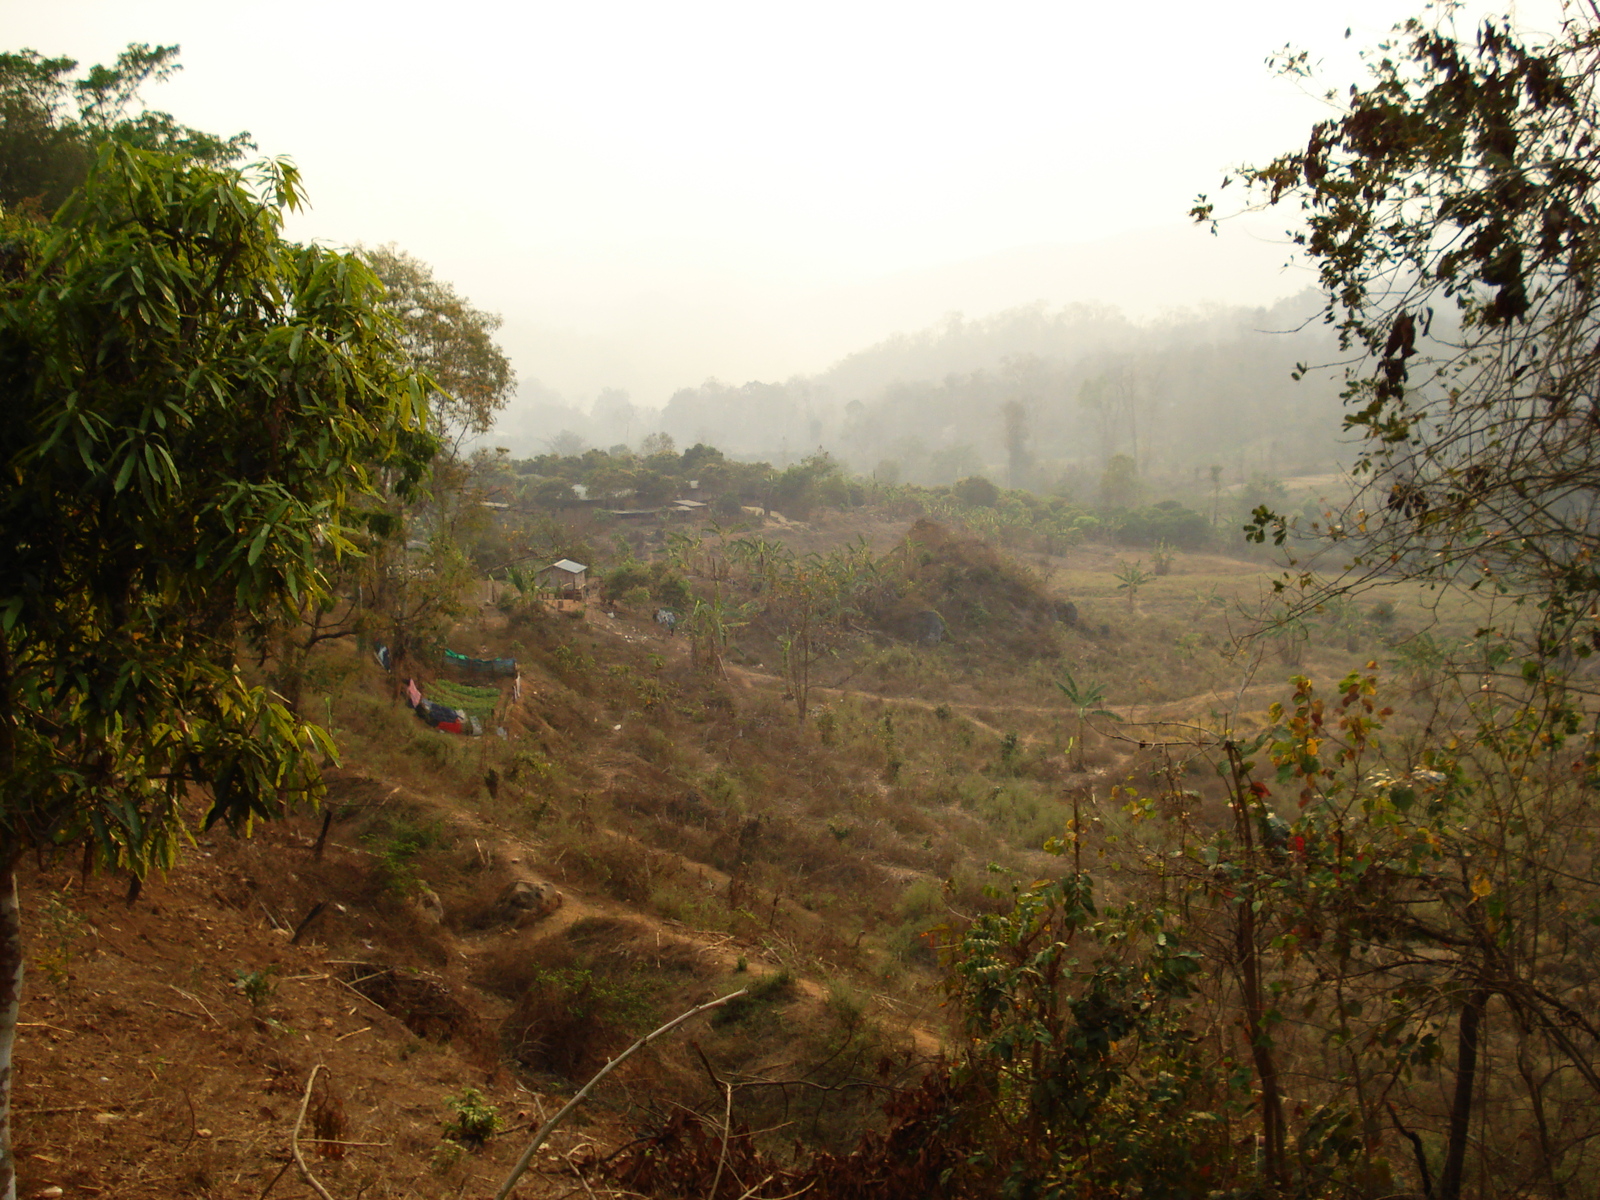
{"points": [[580, 336], [1087, 381]]}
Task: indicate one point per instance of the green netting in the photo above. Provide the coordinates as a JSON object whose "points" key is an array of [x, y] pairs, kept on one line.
{"points": [[479, 702], [506, 667]]}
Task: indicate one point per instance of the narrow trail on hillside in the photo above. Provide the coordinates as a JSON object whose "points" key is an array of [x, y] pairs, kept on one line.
{"points": [[1157, 713]]}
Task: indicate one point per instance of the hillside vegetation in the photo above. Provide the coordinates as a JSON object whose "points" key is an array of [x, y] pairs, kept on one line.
{"points": [[701, 837]]}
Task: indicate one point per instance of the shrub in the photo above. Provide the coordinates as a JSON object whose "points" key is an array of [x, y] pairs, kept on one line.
{"points": [[256, 986], [571, 1017], [622, 579], [1168, 522], [762, 994], [476, 1120], [976, 490]]}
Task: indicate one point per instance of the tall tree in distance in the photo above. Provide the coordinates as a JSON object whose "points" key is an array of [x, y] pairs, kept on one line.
{"points": [[1019, 452], [197, 417]]}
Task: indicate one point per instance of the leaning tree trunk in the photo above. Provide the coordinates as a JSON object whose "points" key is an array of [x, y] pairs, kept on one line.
{"points": [[10, 997]]}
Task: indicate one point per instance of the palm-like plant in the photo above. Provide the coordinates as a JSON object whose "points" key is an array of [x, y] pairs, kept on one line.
{"points": [[1130, 579], [1086, 700]]}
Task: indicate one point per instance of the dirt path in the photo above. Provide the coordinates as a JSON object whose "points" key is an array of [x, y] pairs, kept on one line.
{"points": [[1160, 712]]}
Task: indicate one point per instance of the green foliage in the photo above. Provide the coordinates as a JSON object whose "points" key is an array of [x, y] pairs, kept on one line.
{"points": [[977, 490], [397, 846], [800, 488], [62, 927], [1010, 748], [1119, 485], [570, 1015], [1087, 700], [1167, 523], [46, 152], [194, 409], [657, 581], [1080, 1054], [1130, 578], [256, 986], [475, 1119], [1162, 557]]}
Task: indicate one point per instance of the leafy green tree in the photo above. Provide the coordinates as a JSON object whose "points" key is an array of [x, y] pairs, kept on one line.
{"points": [[51, 122], [197, 413], [413, 576], [799, 489], [1119, 484], [699, 456]]}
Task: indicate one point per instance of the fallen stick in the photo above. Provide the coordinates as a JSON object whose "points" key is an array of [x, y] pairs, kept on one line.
{"points": [[549, 1126], [294, 1139]]}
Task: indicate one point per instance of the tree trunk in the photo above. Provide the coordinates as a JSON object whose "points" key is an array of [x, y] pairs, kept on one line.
{"points": [[1455, 1155], [1273, 1141], [10, 997], [1246, 945]]}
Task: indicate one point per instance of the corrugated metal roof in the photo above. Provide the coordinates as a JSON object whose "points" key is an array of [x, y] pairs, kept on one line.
{"points": [[566, 564]]}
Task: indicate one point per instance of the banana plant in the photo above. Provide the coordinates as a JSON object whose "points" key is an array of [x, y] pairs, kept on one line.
{"points": [[1086, 700]]}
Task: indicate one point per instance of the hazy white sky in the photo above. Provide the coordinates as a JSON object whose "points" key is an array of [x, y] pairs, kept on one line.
{"points": [[654, 193]]}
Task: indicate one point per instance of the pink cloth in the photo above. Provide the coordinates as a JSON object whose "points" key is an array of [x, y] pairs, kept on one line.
{"points": [[412, 694]]}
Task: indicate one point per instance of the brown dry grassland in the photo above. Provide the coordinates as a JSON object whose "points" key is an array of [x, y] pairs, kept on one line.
{"points": [[702, 840]]}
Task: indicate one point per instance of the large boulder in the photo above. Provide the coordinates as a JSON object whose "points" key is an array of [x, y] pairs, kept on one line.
{"points": [[525, 901], [427, 904]]}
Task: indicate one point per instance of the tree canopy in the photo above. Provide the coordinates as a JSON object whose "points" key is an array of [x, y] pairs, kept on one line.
{"points": [[195, 408], [450, 340], [1450, 209], [50, 122]]}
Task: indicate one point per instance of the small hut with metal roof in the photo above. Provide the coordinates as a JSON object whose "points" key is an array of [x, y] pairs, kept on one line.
{"points": [[564, 576]]}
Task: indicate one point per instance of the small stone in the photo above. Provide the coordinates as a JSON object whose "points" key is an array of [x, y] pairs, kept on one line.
{"points": [[202, 1133], [44, 1193]]}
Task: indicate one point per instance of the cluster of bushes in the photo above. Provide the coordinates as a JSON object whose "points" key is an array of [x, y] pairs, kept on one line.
{"points": [[1168, 522], [633, 582]]}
